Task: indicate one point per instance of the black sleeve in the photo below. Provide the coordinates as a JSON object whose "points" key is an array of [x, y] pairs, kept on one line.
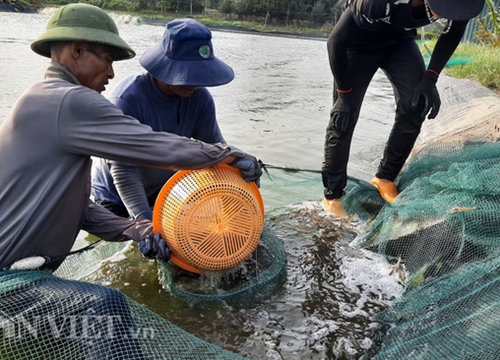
{"points": [[446, 46]]}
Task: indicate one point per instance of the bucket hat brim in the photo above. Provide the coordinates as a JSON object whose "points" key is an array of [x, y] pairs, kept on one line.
{"points": [[459, 10], [209, 72]]}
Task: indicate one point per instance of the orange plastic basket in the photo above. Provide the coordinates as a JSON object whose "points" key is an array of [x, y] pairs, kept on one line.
{"points": [[211, 219]]}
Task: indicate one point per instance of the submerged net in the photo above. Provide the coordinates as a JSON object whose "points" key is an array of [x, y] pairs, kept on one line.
{"points": [[254, 280]]}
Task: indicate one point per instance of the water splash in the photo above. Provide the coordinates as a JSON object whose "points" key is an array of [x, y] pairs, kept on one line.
{"points": [[324, 310]]}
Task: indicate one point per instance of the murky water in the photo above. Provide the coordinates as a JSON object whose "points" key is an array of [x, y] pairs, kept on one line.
{"points": [[277, 108]]}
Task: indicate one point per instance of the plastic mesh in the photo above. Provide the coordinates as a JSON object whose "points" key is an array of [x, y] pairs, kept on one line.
{"points": [[211, 218], [46, 317]]}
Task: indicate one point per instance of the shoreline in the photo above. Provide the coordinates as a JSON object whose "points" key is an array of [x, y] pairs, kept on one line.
{"points": [[242, 30], [9, 7]]}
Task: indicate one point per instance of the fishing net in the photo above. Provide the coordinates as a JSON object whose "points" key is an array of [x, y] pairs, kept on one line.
{"points": [[455, 59], [43, 316], [65, 315], [257, 278], [445, 229]]}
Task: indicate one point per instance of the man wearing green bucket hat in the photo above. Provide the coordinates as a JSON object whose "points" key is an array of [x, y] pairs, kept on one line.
{"points": [[48, 139], [171, 96], [64, 121]]}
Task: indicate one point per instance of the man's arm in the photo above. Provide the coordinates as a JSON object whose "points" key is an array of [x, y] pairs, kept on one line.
{"points": [[446, 46], [101, 222], [128, 183], [102, 130]]}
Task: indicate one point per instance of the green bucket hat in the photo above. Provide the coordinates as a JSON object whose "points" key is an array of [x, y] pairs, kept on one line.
{"points": [[82, 22]]}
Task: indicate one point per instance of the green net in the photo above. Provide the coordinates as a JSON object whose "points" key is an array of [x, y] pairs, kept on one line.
{"points": [[455, 59], [254, 280], [445, 228], [43, 316], [454, 316]]}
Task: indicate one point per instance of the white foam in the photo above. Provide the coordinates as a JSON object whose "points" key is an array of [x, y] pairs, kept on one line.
{"points": [[371, 278]]}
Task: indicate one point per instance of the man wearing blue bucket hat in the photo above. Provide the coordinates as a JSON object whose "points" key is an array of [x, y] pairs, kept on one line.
{"points": [[170, 97]]}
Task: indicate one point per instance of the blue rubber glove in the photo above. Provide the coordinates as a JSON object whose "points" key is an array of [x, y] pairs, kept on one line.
{"points": [[249, 168], [151, 245], [154, 247], [343, 112], [426, 91]]}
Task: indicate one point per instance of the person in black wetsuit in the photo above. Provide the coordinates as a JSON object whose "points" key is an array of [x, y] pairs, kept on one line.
{"points": [[380, 34]]}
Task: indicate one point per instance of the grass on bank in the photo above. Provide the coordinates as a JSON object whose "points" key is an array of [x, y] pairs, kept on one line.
{"points": [[484, 68]]}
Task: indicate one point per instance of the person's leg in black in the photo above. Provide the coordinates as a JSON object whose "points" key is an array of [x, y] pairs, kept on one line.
{"points": [[404, 69], [363, 64]]}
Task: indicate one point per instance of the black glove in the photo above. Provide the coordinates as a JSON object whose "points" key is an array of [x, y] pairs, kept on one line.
{"points": [[154, 247], [249, 168], [151, 245], [426, 91], [343, 112]]}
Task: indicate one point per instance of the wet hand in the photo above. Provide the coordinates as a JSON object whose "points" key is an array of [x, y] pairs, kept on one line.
{"points": [[154, 247], [151, 245]]}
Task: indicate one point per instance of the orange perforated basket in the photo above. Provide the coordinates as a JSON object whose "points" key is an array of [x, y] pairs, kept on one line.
{"points": [[211, 219]]}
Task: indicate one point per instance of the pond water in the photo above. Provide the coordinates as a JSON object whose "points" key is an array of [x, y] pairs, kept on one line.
{"points": [[277, 108]]}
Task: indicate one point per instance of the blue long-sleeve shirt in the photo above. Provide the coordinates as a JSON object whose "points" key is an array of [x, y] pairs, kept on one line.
{"points": [[192, 117]]}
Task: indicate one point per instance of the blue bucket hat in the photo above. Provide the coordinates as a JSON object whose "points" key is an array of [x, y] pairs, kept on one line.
{"points": [[185, 57]]}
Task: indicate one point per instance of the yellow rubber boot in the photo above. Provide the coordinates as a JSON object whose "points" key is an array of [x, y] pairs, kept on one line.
{"points": [[334, 207], [387, 189]]}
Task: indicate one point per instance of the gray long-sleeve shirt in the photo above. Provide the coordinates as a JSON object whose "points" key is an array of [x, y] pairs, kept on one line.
{"points": [[46, 143]]}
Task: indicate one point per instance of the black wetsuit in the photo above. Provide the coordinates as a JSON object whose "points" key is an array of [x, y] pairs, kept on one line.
{"points": [[373, 34]]}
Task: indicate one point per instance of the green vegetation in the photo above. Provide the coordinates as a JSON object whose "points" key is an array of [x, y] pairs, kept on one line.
{"points": [[267, 13], [484, 67], [304, 17], [490, 26]]}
